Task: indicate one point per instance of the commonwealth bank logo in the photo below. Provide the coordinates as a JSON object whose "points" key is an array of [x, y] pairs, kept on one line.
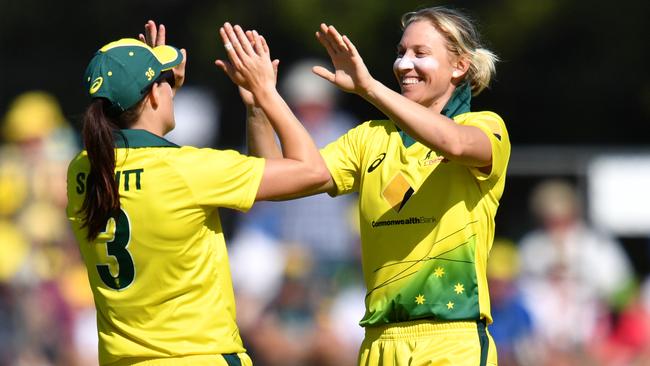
{"points": [[397, 192]]}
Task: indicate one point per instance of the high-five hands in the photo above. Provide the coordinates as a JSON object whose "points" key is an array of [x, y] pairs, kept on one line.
{"points": [[249, 62], [350, 73], [155, 36]]}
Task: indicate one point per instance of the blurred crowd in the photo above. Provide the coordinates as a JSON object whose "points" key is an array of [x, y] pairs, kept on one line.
{"points": [[564, 293]]}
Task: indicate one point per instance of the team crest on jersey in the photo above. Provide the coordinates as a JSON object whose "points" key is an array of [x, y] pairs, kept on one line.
{"points": [[397, 192]]}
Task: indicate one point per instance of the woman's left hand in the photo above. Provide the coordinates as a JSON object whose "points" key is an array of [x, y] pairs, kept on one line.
{"points": [[350, 74], [155, 36]]}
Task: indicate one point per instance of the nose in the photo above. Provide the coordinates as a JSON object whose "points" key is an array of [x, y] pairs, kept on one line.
{"points": [[404, 63]]}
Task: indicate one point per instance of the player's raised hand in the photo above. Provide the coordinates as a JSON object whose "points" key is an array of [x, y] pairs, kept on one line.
{"points": [[156, 36], [153, 36], [249, 65], [246, 96], [350, 73]]}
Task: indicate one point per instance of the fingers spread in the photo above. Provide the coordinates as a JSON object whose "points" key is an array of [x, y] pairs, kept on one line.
{"points": [[350, 46], [232, 42], [336, 39], [326, 43], [265, 45], [258, 44], [160, 40], [243, 40], [150, 33], [184, 53], [225, 39]]}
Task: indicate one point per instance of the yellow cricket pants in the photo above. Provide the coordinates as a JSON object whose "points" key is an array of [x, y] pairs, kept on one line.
{"points": [[427, 342], [233, 359]]}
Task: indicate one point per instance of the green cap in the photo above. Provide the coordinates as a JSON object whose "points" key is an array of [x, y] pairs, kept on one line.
{"points": [[122, 71]]}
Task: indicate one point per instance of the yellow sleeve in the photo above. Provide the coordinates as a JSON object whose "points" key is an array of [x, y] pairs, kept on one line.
{"points": [[495, 129], [220, 178], [344, 160]]}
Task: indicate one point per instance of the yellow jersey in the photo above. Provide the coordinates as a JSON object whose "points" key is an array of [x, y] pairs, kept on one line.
{"points": [[159, 273], [427, 223]]}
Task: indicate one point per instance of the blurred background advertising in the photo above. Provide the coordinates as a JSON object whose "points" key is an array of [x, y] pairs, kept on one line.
{"points": [[568, 270]]}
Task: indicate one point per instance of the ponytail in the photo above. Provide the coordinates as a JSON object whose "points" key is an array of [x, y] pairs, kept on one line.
{"points": [[102, 198]]}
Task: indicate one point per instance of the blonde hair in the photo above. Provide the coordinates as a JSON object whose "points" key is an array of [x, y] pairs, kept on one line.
{"points": [[462, 40]]}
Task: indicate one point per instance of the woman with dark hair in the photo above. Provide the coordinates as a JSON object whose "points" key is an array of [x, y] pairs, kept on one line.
{"points": [[144, 210]]}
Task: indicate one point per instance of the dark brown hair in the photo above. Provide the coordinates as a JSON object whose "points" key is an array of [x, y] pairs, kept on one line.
{"points": [[100, 126]]}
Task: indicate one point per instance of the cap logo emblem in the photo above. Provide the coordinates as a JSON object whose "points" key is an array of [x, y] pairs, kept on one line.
{"points": [[97, 83], [150, 73]]}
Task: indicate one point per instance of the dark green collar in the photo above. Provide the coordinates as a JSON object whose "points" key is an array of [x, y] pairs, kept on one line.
{"points": [[459, 103], [139, 138]]}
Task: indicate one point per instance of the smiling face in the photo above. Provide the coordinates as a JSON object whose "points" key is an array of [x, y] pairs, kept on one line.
{"points": [[424, 67]]}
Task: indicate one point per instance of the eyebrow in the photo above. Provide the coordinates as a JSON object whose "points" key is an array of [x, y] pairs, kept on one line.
{"points": [[417, 47]]}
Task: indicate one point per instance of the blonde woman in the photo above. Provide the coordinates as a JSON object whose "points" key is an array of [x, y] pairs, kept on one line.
{"points": [[430, 178]]}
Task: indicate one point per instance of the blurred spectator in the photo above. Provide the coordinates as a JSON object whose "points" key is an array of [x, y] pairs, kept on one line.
{"points": [[308, 322], [295, 264], [512, 327], [37, 251], [627, 342], [319, 222], [572, 275], [196, 111]]}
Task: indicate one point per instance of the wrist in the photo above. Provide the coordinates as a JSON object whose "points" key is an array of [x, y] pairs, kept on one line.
{"points": [[369, 90], [254, 110], [264, 95]]}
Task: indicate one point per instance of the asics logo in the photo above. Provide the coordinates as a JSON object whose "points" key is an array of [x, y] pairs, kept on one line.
{"points": [[376, 163], [97, 83]]}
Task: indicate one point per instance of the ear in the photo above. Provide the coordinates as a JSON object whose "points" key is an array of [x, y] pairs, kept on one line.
{"points": [[154, 95], [460, 67]]}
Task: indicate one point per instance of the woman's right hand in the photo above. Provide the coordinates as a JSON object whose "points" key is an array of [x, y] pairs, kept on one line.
{"points": [[155, 36], [350, 73], [246, 96], [249, 65]]}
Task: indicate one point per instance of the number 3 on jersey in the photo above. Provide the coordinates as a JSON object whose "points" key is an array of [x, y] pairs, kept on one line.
{"points": [[117, 237]]}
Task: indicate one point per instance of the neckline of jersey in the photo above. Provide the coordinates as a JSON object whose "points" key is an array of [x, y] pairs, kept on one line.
{"points": [[134, 138]]}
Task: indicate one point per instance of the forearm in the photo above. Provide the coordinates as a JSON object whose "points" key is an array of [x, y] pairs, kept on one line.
{"points": [[260, 135], [295, 140], [301, 170], [465, 144]]}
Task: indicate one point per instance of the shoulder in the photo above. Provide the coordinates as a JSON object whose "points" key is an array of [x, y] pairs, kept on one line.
{"points": [[374, 126], [193, 153], [486, 120], [198, 159], [79, 162], [484, 116]]}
